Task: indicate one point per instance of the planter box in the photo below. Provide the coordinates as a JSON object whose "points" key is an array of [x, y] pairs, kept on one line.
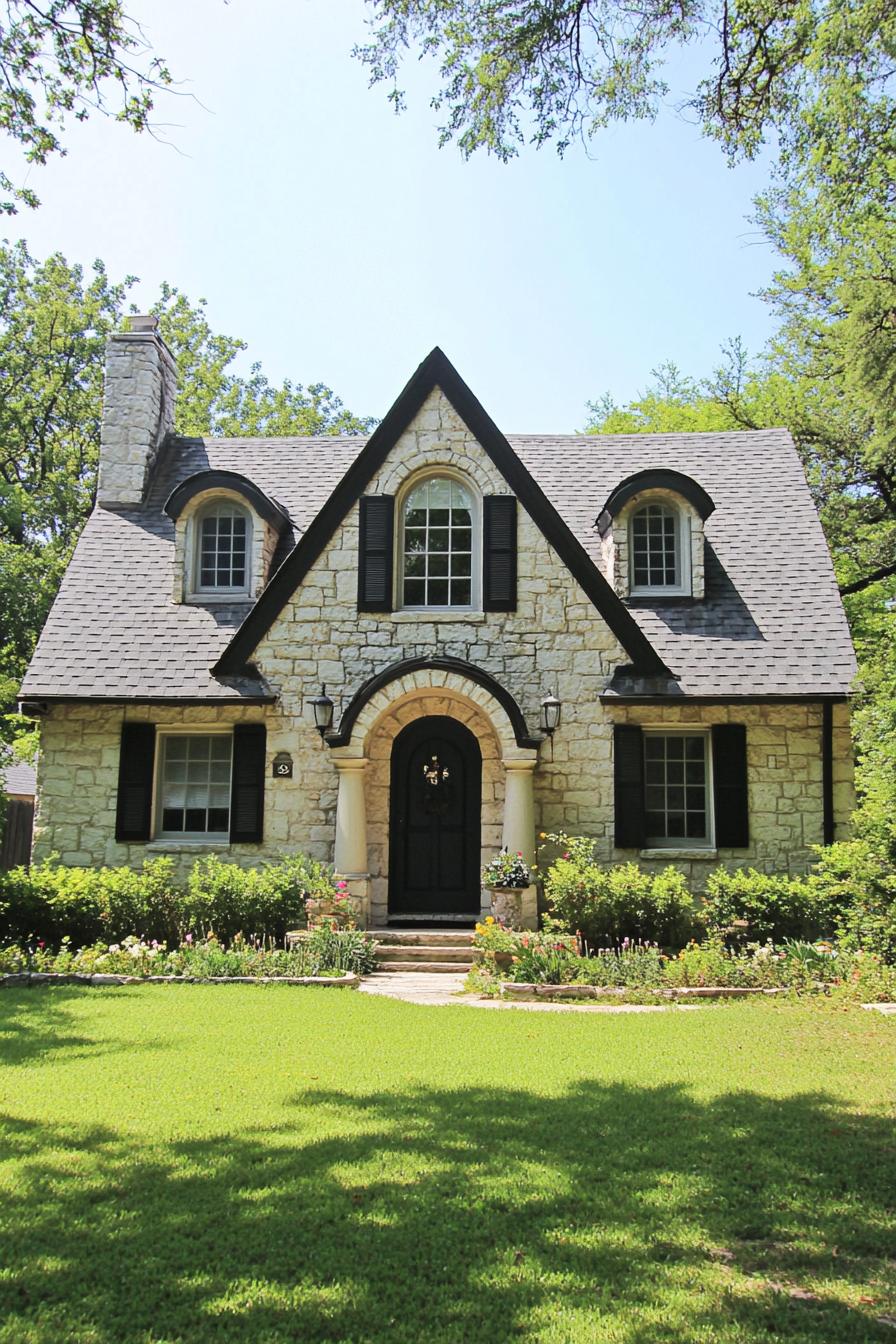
{"points": [[507, 905]]}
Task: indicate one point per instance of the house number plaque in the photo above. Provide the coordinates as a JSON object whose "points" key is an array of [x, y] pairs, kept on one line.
{"points": [[282, 766]]}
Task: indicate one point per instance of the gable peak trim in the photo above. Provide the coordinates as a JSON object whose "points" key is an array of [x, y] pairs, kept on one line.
{"points": [[437, 371]]}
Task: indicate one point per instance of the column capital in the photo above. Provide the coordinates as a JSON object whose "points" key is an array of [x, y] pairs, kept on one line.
{"points": [[345, 764], [513, 763]]}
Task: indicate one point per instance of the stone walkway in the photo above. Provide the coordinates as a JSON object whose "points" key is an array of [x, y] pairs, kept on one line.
{"points": [[431, 988]]}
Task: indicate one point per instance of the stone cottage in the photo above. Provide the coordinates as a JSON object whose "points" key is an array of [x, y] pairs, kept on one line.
{"points": [[401, 652]]}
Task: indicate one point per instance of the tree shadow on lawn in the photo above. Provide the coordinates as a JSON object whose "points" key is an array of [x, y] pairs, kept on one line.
{"points": [[617, 1212], [37, 1021]]}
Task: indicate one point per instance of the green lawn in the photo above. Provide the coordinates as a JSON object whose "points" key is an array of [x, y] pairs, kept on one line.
{"points": [[209, 1163]]}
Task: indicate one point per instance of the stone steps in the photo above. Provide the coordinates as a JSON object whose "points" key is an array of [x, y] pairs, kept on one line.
{"points": [[446, 951]]}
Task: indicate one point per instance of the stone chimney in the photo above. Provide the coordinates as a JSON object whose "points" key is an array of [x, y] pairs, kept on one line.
{"points": [[138, 410]]}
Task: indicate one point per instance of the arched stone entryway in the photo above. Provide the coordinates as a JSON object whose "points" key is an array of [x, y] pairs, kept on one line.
{"points": [[364, 762]]}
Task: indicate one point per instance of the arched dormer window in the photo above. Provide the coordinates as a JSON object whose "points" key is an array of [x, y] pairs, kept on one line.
{"points": [[223, 549], [660, 549], [439, 545]]}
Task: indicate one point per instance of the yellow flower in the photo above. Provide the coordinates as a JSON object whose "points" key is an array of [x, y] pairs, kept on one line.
{"points": [[489, 919]]}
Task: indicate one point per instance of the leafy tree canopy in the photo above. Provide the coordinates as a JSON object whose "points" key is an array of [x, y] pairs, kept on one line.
{"points": [[68, 59], [813, 72], [55, 319]]}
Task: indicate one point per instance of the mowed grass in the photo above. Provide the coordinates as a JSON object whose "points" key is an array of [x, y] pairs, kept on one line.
{"points": [[209, 1163]]}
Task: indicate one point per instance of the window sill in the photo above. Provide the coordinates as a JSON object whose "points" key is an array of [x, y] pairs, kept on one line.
{"points": [[439, 614], [218, 599], [680, 852], [161, 846]]}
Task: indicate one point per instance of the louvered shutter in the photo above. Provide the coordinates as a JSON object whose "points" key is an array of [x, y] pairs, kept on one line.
{"points": [[377, 522], [499, 553], [133, 816], [247, 790], [628, 777], [729, 785]]}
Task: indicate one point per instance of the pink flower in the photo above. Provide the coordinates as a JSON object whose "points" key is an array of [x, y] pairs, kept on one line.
{"points": [[189, 938]]}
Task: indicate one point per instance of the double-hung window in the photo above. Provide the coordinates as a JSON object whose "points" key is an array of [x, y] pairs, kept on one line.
{"points": [[677, 789], [194, 785], [659, 551], [438, 550], [221, 562]]}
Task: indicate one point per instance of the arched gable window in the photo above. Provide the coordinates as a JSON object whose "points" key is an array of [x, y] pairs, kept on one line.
{"points": [[660, 549], [439, 545], [223, 536]]}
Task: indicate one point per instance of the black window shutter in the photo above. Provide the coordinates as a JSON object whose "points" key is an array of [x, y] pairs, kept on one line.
{"points": [[377, 523], [729, 780], [247, 792], [499, 553], [133, 816], [628, 776]]}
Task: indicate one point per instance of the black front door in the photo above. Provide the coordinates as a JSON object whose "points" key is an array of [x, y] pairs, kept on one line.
{"points": [[434, 831]]}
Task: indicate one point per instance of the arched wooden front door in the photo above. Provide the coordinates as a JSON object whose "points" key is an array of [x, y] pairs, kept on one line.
{"points": [[434, 826]]}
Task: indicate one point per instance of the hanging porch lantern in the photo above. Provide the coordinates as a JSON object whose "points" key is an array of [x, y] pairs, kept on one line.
{"points": [[322, 706], [551, 711]]}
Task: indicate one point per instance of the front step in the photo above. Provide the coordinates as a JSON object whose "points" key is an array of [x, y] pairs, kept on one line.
{"points": [[435, 950]]}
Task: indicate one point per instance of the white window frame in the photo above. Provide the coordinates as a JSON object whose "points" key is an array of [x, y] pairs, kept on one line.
{"points": [[163, 736], [213, 591], [457, 478], [707, 842], [682, 552]]}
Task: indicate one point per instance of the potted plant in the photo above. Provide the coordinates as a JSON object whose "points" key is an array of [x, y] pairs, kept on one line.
{"points": [[330, 903], [507, 876]]}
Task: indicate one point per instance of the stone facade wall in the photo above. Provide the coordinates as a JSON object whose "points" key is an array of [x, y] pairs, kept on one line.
{"points": [[138, 412], [555, 640]]}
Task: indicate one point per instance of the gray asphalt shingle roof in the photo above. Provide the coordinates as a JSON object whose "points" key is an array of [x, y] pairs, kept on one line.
{"points": [[20, 780], [772, 622]]}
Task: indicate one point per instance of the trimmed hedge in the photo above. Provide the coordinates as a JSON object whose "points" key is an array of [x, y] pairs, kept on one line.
{"points": [[751, 907], [52, 902]]}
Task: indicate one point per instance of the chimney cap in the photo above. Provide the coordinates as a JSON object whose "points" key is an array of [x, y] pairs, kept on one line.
{"points": [[143, 322]]}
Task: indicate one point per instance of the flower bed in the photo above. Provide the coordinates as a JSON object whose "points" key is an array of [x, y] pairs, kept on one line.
{"points": [[700, 970], [324, 953]]}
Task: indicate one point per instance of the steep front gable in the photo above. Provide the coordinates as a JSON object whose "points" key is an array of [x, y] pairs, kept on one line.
{"points": [[437, 373]]}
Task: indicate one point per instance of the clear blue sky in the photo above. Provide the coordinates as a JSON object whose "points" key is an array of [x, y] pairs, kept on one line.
{"points": [[341, 243]]}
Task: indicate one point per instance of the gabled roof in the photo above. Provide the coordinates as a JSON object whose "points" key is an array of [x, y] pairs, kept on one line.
{"points": [[771, 625], [437, 371]]}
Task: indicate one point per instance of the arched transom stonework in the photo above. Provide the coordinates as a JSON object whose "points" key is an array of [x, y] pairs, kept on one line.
{"points": [[426, 682]]}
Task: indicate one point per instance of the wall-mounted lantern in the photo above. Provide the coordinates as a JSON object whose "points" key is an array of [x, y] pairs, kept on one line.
{"points": [[551, 711], [322, 706]]}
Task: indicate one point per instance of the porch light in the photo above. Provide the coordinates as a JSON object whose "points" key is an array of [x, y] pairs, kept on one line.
{"points": [[323, 711], [551, 710]]}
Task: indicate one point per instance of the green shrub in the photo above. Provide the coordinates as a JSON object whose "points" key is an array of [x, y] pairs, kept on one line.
{"points": [[751, 907], [226, 899], [859, 886], [610, 904], [51, 902]]}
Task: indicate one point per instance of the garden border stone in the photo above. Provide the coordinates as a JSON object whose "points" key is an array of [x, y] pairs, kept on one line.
{"points": [[512, 989], [22, 979]]}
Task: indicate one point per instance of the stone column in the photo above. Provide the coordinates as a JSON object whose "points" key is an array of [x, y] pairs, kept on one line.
{"points": [[350, 858], [350, 854], [518, 835]]}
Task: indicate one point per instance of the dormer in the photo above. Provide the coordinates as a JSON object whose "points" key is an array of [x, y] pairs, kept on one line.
{"points": [[226, 533], [652, 537]]}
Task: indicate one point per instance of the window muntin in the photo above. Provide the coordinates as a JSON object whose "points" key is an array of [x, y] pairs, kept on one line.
{"points": [[677, 789], [222, 549], [656, 548], [194, 788], [438, 545]]}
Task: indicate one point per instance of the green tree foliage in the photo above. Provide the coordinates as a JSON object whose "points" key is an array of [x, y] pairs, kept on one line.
{"points": [[809, 71], [55, 320], [68, 59]]}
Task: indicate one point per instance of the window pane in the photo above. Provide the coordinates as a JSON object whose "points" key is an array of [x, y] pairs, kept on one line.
{"points": [[219, 819], [172, 819], [696, 826], [438, 545], [654, 541], [195, 781], [222, 546]]}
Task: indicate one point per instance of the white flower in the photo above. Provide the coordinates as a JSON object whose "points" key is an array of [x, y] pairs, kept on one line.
{"points": [[113, 947]]}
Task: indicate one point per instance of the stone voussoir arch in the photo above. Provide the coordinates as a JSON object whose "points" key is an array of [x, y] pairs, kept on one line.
{"points": [[431, 676]]}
